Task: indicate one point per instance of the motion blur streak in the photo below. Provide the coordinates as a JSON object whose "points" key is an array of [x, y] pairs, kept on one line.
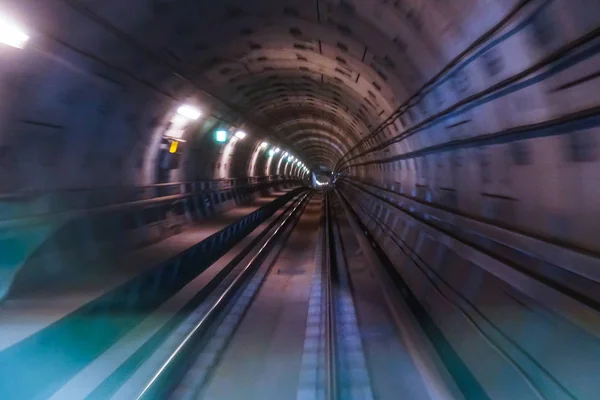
{"points": [[442, 159]]}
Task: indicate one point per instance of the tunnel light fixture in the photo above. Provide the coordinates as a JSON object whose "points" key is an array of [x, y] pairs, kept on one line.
{"points": [[277, 150], [12, 35], [189, 112], [291, 158], [177, 127], [179, 120], [264, 145], [240, 134], [221, 136], [285, 154], [271, 153]]}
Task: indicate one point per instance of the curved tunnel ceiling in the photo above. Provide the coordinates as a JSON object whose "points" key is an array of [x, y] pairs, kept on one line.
{"points": [[319, 75], [289, 64], [345, 66]]}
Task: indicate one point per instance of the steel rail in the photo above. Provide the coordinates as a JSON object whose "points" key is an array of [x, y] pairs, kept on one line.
{"points": [[158, 383], [330, 335]]}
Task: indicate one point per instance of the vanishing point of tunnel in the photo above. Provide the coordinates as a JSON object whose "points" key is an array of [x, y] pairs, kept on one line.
{"points": [[300, 199]]}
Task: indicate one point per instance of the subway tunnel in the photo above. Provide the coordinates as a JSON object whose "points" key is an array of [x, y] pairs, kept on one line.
{"points": [[328, 199]]}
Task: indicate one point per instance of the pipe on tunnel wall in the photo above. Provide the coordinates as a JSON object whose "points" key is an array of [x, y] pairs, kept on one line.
{"points": [[510, 142]]}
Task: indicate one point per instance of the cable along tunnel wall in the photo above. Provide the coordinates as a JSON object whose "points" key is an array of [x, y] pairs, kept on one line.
{"points": [[507, 134], [486, 305], [482, 205]]}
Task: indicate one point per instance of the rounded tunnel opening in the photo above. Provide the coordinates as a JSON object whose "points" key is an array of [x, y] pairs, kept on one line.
{"points": [[461, 136]]}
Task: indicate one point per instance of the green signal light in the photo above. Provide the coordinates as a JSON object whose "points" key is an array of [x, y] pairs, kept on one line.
{"points": [[221, 136]]}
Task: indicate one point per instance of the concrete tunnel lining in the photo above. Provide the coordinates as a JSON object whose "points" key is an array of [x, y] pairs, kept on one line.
{"points": [[480, 114]]}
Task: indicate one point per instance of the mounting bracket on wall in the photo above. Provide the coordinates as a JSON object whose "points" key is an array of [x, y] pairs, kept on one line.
{"points": [[169, 156]]}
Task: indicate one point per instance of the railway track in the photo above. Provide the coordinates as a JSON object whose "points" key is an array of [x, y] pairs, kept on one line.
{"points": [[316, 309], [221, 307], [300, 315]]}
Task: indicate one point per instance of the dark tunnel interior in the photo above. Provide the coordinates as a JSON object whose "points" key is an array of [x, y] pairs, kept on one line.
{"points": [[426, 167]]}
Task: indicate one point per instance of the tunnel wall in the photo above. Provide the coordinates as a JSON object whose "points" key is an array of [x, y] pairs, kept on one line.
{"points": [[492, 307], [479, 183], [85, 110], [508, 135], [89, 109], [480, 193]]}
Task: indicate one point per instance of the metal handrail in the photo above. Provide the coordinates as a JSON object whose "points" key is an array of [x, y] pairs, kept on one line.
{"points": [[117, 206], [36, 193]]}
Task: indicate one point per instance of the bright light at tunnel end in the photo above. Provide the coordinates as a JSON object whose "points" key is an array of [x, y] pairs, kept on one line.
{"points": [[12, 35]]}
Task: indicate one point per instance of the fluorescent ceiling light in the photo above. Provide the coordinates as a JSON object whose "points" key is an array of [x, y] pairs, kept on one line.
{"points": [[12, 35], [189, 112], [240, 134], [179, 119]]}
